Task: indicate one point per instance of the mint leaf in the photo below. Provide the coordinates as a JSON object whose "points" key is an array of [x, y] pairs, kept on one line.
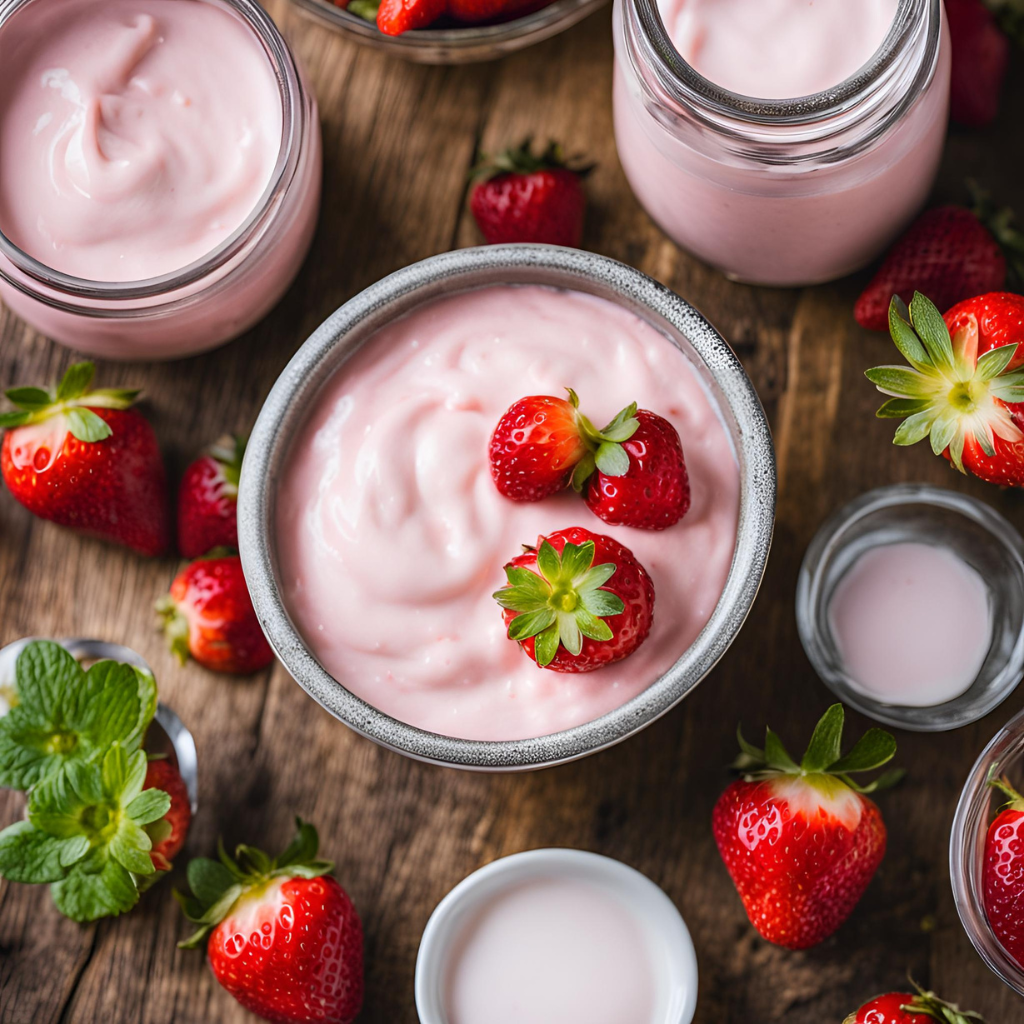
{"points": [[131, 846], [88, 895], [29, 753], [45, 672], [28, 855], [149, 806]]}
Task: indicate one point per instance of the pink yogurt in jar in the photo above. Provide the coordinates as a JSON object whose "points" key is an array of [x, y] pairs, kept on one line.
{"points": [[159, 171], [391, 535], [786, 142]]}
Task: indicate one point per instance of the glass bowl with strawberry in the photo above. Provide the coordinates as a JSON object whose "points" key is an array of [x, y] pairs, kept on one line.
{"points": [[986, 854], [449, 31]]}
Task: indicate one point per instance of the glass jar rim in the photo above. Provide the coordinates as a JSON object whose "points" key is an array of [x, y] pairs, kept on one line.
{"points": [[682, 82], [291, 91]]}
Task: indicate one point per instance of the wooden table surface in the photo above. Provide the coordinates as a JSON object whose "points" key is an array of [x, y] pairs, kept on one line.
{"points": [[398, 142]]}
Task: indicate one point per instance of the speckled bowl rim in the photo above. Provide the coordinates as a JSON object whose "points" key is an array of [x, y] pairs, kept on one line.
{"points": [[345, 331]]}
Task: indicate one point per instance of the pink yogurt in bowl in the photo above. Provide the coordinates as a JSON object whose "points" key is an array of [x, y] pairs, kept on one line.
{"points": [[372, 534], [159, 171], [785, 142]]}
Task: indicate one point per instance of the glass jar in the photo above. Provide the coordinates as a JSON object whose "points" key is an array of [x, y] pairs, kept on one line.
{"points": [[782, 192], [218, 296]]}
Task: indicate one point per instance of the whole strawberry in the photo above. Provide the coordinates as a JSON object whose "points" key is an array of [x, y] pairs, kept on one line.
{"points": [[947, 254], [981, 55], [521, 197], [577, 602], [802, 841], [169, 832], [1003, 872], [284, 937], [397, 16], [209, 615], [964, 388], [208, 499], [86, 460], [653, 492], [918, 1007]]}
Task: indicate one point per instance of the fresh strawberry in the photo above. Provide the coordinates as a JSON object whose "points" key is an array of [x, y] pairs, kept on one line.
{"points": [[168, 833], [209, 615], [1003, 872], [981, 55], [397, 16], [474, 12], [208, 499], [570, 614], [802, 841], [964, 391], [284, 937], [520, 197], [918, 1007], [654, 491], [86, 460]]}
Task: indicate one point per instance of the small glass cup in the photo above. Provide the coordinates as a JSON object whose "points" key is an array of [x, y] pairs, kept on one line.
{"points": [[922, 514], [1004, 754]]}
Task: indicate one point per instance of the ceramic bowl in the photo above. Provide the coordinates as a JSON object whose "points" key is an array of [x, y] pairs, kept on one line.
{"points": [[325, 352]]}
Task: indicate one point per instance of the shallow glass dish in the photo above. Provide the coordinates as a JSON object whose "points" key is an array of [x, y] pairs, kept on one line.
{"points": [[462, 45], [923, 514], [978, 802]]}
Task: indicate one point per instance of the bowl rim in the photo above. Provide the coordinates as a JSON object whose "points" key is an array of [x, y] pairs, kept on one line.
{"points": [[966, 855], [344, 331], [809, 593], [513, 869]]}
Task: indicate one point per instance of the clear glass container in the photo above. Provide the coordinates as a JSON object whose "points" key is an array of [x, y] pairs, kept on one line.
{"points": [[218, 296], [975, 812], [460, 44], [923, 514], [782, 192]]}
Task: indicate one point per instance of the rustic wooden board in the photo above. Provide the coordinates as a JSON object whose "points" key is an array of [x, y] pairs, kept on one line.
{"points": [[399, 139]]}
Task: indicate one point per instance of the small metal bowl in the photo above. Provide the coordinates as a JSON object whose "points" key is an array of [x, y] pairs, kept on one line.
{"points": [[466, 44], [166, 734], [342, 334]]}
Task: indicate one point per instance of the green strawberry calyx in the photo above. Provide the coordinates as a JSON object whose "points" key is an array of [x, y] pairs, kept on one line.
{"points": [[86, 835], [522, 159], [71, 398], [1014, 801], [823, 766], [928, 1004], [604, 449], [948, 393], [65, 714], [218, 886], [562, 602], [228, 452]]}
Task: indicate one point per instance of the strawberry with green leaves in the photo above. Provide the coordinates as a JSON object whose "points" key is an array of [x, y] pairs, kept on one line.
{"points": [[802, 841], [1003, 871], [86, 835], [282, 935], [919, 1007], [208, 499], [964, 387], [87, 460], [577, 602]]}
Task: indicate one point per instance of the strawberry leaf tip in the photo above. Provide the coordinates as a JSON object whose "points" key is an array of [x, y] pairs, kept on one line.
{"points": [[929, 1004], [521, 159], [948, 393], [604, 447], [72, 398], [823, 757], [218, 884]]}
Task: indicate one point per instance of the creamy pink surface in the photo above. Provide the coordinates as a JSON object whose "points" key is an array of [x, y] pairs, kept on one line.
{"points": [[764, 223], [553, 951], [392, 536], [912, 624], [774, 49], [135, 135]]}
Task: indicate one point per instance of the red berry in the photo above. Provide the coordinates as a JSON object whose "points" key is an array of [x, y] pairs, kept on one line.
{"points": [[397, 16], [910, 1008], [476, 11], [87, 461], [1003, 874], [946, 254], [577, 602], [209, 615], [527, 198], [208, 499], [654, 493], [173, 827], [800, 845], [981, 55]]}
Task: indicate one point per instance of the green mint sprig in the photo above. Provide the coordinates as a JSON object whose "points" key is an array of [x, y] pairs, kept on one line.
{"points": [[64, 714], [86, 835]]}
